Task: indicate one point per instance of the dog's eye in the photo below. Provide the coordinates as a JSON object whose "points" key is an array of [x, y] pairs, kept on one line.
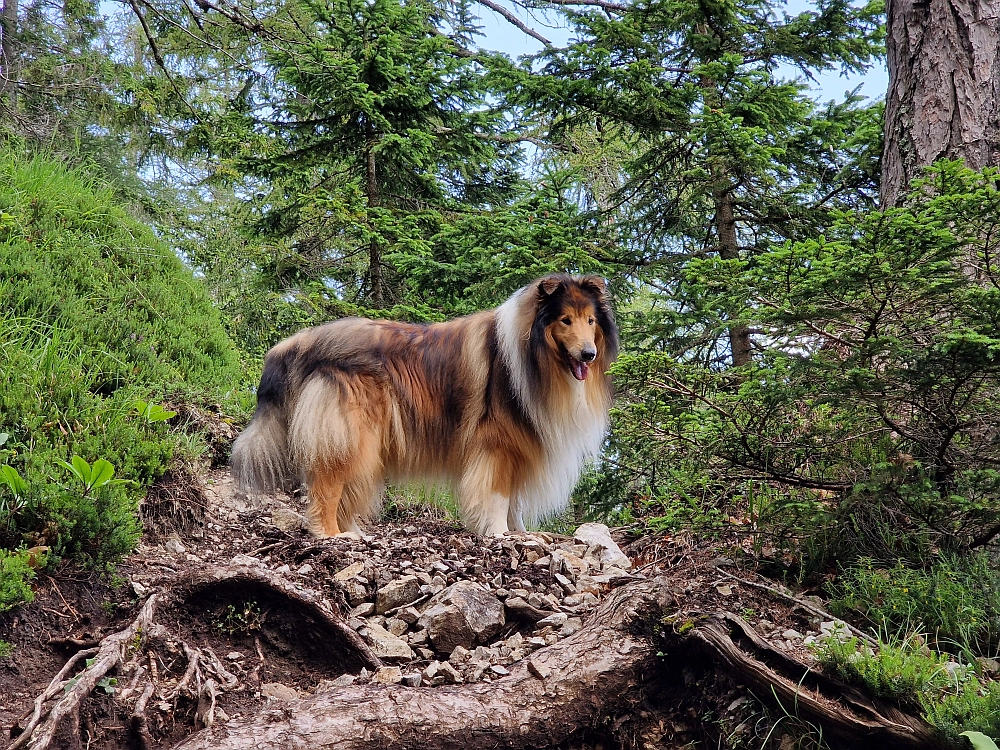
{"points": [[566, 321], [590, 321]]}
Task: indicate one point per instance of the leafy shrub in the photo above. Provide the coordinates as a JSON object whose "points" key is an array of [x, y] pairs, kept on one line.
{"points": [[949, 695]]}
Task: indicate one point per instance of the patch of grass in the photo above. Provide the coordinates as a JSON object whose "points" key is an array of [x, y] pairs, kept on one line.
{"points": [[6, 650], [949, 695], [956, 600]]}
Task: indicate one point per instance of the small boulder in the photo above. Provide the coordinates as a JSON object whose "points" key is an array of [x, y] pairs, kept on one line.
{"points": [[397, 593], [462, 615], [384, 644], [598, 535], [288, 520], [388, 676]]}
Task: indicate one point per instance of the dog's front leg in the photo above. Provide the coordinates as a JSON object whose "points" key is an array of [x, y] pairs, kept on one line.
{"points": [[484, 495]]}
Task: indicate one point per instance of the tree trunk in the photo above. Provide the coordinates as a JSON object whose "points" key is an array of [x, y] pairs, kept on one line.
{"points": [[8, 48], [944, 88], [729, 249], [374, 196], [725, 219]]}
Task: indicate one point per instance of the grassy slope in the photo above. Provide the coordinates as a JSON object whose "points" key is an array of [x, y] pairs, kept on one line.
{"points": [[95, 313]]}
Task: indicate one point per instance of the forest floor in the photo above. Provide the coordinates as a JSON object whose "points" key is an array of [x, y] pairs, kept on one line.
{"points": [[259, 652]]}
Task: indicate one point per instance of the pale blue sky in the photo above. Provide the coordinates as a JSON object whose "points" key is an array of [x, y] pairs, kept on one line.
{"points": [[502, 36]]}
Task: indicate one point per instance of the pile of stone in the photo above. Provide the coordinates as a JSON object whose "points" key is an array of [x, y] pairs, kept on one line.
{"points": [[462, 609]]}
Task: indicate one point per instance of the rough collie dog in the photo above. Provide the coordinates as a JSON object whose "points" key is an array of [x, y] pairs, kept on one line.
{"points": [[506, 405]]}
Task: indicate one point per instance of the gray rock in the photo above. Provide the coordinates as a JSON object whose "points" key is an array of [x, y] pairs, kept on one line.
{"points": [[556, 620], [175, 546], [462, 615], [388, 676], [397, 594], [278, 691], [349, 572], [365, 609], [598, 535], [396, 626], [288, 520], [408, 615], [355, 592], [431, 670], [519, 608], [412, 679], [450, 674], [497, 669], [245, 560], [385, 644]]}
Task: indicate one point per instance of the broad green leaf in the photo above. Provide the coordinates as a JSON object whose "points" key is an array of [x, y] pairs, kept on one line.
{"points": [[980, 741], [83, 469], [13, 480], [71, 468], [4, 436], [102, 473]]}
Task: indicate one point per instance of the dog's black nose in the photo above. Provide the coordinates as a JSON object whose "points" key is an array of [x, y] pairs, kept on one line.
{"points": [[588, 355]]}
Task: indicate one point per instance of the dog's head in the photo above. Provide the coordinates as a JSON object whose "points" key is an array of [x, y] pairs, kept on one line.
{"points": [[577, 321]]}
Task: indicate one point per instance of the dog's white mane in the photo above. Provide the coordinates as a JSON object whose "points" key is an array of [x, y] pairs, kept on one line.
{"points": [[571, 436]]}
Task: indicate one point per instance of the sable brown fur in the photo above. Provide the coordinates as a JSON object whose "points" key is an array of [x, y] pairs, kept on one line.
{"points": [[507, 405]]}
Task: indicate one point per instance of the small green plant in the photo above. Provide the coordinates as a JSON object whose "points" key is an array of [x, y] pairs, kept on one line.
{"points": [[91, 476], [5, 650], [240, 620], [949, 694], [11, 505], [980, 741], [153, 412], [15, 574]]}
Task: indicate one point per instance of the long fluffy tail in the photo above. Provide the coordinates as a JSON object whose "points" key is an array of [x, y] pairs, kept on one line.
{"points": [[261, 461]]}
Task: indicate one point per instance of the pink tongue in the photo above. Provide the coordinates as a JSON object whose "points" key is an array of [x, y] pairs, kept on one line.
{"points": [[580, 369]]}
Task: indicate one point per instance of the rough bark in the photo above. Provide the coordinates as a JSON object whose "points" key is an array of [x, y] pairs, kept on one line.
{"points": [[944, 88], [585, 677], [8, 48], [598, 673]]}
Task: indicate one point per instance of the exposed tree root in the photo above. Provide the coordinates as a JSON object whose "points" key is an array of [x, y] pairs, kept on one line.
{"points": [[595, 675], [843, 711], [587, 680], [205, 676]]}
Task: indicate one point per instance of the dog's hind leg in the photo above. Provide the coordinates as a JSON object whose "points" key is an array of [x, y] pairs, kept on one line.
{"points": [[326, 487]]}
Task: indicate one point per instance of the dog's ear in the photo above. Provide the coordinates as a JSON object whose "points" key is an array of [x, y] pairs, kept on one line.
{"points": [[549, 286], [596, 285]]}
